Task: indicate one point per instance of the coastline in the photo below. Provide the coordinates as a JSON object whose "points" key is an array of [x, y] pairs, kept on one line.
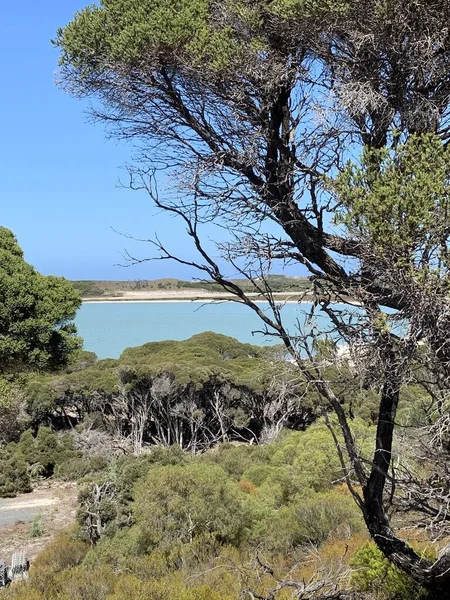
{"points": [[201, 296], [258, 300], [197, 295], [192, 301], [188, 296]]}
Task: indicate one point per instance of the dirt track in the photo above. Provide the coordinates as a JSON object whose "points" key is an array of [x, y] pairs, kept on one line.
{"points": [[56, 505], [24, 508]]}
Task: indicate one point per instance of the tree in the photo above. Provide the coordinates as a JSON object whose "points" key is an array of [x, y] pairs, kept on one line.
{"points": [[36, 311], [15, 476], [97, 507], [254, 109], [192, 393], [13, 414]]}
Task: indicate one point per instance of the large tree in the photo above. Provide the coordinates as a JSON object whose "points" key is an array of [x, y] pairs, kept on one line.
{"points": [[36, 312], [255, 109]]}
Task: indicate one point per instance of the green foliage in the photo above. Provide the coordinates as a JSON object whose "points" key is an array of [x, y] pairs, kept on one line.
{"points": [[416, 407], [46, 449], [41, 395], [321, 516], [312, 458], [194, 361], [236, 460], [80, 361], [178, 504], [303, 8], [122, 30], [310, 519], [131, 468], [79, 466], [375, 574], [399, 199], [172, 523], [43, 455], [63, 552], [48, 581], [14, 417], [102, 37], [196, 391], [199, 358], [268, 496], [37, 529], [15, 478], [169, 588], [170, 60], [35, 313]]}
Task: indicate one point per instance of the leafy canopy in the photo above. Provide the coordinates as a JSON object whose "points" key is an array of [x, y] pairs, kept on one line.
{"points": [[398, 200], [36, 311], [214, 37], [125, 29]]}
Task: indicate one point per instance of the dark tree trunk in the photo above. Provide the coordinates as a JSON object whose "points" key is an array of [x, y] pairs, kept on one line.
{"points": [[434, 577]]}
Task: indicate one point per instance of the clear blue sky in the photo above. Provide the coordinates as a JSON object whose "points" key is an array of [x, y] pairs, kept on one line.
{"points": [[59, 174]]}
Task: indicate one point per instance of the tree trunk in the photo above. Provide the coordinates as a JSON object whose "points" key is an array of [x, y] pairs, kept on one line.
{"points": [[434, 577]]}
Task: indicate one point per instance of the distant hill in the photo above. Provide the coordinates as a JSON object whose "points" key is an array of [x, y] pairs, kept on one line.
{"points": [[99, 288]]}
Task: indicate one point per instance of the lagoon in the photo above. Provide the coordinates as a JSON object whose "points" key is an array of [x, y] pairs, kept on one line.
{"points": [[109, 328]]}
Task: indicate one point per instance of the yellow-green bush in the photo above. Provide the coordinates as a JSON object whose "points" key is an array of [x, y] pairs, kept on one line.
{"points": [[375, 574], [180, 503]]}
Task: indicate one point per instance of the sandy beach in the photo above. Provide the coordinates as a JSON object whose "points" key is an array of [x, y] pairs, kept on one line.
{"points": [[189, 296]]}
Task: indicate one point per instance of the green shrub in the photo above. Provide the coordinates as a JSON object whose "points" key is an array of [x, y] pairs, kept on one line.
{"points": [[37, 529], [46, 449], [60, 554], [324, 515], [258, 474], [311, 519], [45, 455], [181, 503], [375, 574], [76, 467], [237, 459], [15, 478]]}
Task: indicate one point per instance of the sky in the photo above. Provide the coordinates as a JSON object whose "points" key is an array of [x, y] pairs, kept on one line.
{"points": [[60, 191]]}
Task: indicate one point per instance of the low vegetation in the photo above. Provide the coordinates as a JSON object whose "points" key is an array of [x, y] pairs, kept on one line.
{"points": [[169, 524], [201, 474], [176, 523]]}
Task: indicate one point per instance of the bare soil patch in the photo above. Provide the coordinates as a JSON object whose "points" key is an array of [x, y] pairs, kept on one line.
{"points": [[54, 504]]}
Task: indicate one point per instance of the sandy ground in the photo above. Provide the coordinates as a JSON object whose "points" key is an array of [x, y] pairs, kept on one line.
{"points": [[24, 508], [182, 296], [55, 505]]}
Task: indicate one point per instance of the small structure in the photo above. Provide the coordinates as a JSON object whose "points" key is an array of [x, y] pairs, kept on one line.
{"points": [[19, 565], [18, 569], [4, 577]]}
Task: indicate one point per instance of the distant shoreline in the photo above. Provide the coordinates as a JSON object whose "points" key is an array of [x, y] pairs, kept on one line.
{"points": [[198, 295], [258, 300], [176, 300]]}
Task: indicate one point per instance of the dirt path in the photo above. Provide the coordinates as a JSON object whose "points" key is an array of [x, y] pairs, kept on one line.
{"points": [[23, 509], [55, 505]]}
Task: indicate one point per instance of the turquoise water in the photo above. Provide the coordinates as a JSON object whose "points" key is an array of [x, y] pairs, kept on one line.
{"points": [[109, 328]]}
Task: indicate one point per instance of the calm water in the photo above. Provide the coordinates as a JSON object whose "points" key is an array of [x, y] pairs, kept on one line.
{"points": [[109, 328]]}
